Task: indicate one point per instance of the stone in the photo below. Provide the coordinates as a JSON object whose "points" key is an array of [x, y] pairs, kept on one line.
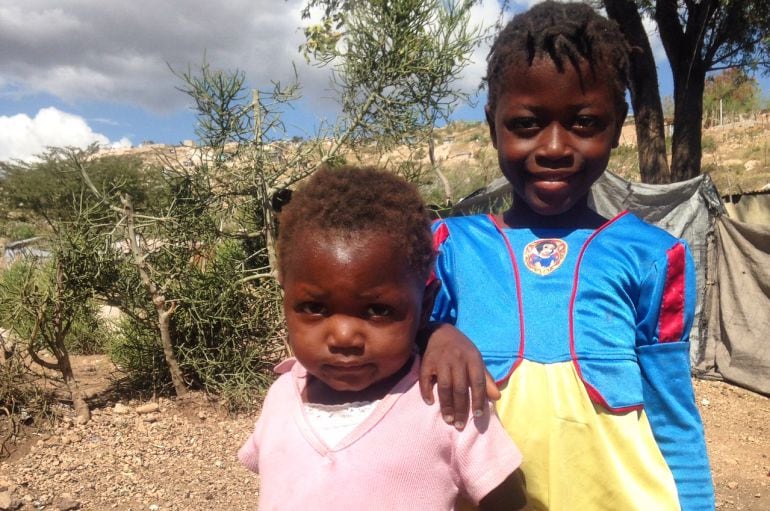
{"points": [[148, 408], [7, 502], [121, 409], [65, 502]]}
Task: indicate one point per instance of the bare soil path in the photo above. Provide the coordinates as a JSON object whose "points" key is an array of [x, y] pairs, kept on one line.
{"points": [[179, 456]]}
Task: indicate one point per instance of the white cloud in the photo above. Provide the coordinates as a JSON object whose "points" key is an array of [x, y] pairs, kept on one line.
{"points": [[22, 137], [120, 52]]}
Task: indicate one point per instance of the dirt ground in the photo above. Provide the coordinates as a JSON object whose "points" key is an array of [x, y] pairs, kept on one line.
{"points": [[168, 455]]}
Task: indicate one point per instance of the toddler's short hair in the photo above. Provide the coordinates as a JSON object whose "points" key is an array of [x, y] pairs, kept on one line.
{"points": [[566, 33], [350, 201]]}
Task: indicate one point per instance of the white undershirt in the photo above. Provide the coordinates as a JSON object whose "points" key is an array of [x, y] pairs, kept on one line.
{"points": [[333, 422]]}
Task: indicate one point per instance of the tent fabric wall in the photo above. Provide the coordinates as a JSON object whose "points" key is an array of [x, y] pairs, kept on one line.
{"points": [[752, 208], [737, 344]]}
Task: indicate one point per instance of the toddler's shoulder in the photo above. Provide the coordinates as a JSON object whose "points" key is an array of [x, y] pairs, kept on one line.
{"points": [[287, 372]]}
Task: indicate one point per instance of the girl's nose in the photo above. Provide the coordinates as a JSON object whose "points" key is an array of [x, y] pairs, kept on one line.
{"points": [[555, 149], [345, 333], [555, 138]]}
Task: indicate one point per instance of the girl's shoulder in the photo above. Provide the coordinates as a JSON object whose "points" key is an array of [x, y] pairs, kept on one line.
{"points": [[632, 230], [457, 228]]}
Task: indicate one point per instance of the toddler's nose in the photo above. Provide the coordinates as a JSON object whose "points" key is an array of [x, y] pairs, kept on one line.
{"points": [[344, 333]]}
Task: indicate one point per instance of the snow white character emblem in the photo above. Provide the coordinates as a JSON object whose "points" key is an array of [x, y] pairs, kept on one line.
{"points": [[545, 255]]}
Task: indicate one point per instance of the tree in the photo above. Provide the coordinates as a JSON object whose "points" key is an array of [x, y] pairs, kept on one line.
{"points": [[396, 64], [698, 37], [43, 302], [645, 97], [46, 187], [731, 91]]}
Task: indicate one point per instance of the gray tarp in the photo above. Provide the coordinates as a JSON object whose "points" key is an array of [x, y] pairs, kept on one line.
{"points": [[723, 344]]}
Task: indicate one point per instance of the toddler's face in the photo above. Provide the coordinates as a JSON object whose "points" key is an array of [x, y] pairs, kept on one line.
{"points": [[352, 309], [554, 132]]}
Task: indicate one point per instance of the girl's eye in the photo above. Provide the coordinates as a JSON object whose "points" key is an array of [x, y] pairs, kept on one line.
{"points": [[587, 122], [313, 308], [378, 310], [522, 124]]}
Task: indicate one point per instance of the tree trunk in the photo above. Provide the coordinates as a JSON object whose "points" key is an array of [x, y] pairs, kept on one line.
{"points": [[444, 181], [60, 327], [645, 96], [158, 300], [686, 149], [164, 320], [684, 48], [82, 412]]}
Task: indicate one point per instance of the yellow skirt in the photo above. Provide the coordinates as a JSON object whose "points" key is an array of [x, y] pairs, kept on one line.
{"points": [[577, 455]]}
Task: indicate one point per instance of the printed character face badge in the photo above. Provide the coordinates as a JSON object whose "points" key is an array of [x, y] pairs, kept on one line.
{"points": [[545, 255]]}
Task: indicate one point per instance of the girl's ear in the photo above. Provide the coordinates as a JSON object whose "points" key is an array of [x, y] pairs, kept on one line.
{"points": [[490, 115], [622, 113], [428, 297]]}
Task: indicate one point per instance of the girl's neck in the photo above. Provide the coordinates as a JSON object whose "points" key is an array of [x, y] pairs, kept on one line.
{"points": [[580, 216], [318, 392]]}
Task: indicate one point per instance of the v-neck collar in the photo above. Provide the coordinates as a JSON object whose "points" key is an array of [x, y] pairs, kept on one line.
{"points": [[299, 379]]}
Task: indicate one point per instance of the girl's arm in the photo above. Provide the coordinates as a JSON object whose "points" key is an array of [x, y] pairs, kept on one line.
{"points": [[509, 496], [663, 351], [452, 362]]}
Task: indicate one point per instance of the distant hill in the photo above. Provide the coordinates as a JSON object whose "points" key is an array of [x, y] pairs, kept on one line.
{"points": [[737, 156]]}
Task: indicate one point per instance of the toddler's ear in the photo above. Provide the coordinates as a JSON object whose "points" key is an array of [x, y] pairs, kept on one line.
{"points": [[490, 115]]}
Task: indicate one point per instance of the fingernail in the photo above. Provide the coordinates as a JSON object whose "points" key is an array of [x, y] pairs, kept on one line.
{"points": [[478, 413], [459, 425], [449, 419], [428, 401]]}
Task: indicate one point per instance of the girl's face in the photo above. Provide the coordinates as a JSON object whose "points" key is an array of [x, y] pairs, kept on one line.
{"points": [[554, 132], [353, 309]]}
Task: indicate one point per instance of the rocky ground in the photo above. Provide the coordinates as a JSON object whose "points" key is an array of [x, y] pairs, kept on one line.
{"points": [[169, 455]]}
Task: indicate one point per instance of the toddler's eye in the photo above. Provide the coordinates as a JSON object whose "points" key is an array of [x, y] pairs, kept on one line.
{"points": [[313, 308], [378, 310]]}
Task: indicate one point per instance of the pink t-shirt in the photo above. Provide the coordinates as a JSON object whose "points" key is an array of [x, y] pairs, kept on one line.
{"points": [[402, 456]]}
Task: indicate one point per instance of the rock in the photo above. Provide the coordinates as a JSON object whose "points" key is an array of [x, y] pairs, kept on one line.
{"points": [[732, 485], [65, 502], [705, 402], [148, 408], [121, 409], [752, 164], [7, 502]]}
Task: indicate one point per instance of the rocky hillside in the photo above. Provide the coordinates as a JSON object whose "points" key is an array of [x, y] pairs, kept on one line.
{"points": [[737, 156]]}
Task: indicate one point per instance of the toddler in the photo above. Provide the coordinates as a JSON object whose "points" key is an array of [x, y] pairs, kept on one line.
{"points": [[344, 426]]}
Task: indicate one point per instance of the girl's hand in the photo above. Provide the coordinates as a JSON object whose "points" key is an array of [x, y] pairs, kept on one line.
{"points": [[452, 361]]}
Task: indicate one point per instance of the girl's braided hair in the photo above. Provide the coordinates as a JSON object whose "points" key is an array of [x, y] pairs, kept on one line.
{"points": [[353, 201], [567, 33]]}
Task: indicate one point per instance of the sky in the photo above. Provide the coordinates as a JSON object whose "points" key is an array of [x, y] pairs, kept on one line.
{"points": [[80, 71]]}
